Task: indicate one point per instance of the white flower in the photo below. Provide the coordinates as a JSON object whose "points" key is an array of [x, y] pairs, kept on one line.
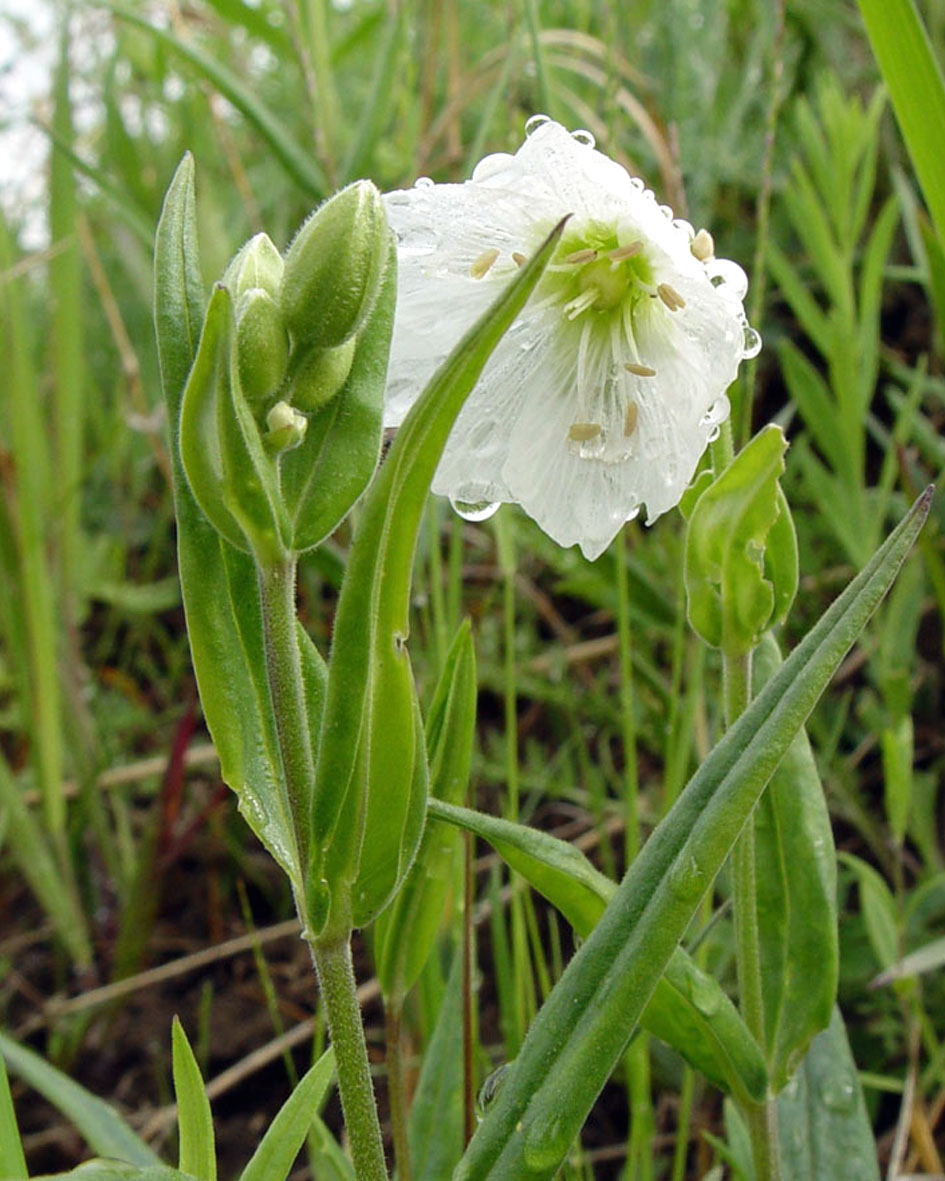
{"points": [[603, 394]]}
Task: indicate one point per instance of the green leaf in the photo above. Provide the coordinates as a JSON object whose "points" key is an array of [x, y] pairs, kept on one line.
{"points": [[107, 1170], [279, 1147], [435, 1128], [796, 898], [730, 600], [688, 1009], [817, 407], [580, 1032], [823, 1127], [917, 91], [406, 932], [322, 478], [194, 1119], [12, 1161], [297, 161], [929, 958], [218, 582], [878, 908], [100, 1124], [370, 779]]}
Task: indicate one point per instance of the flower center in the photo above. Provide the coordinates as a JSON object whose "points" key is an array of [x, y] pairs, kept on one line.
{"points": [[595, 271]]}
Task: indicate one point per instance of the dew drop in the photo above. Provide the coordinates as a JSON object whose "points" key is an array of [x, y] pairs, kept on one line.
{"points": [[667, 211], [490, 1089], [472, 505], [684, 227], [752, 346], [728, 275], [417, 241], [423, 182], [705, 994], [713, 434], [546, 1142], [253, 809], [585, 138], [533, 124], [686, 878], [637, 183], [838, 1093], [491, 165]]}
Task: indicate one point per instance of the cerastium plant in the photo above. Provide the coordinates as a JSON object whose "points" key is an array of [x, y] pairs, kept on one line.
{"points": [[275, 390]]}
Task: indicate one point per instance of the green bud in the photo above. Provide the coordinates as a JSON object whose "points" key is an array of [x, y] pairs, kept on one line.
{"points": [[333, 268], [321, 375], [262, 346], [256, 264], [287, 428]]}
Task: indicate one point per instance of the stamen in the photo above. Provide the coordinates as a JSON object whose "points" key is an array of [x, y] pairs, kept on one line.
{"points": [[639, 370], [585, 255], [581, 303], [673, 300], [580, 432], [518, 259], [621, 252], [482, 264], [702, 246], [630, 416]]}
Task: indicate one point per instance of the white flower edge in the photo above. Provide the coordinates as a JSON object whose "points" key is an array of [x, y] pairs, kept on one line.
{"points": [[587, 411]]}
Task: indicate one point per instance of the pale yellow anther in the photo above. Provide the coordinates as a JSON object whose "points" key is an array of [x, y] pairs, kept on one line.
{"points": [[581, 432], [482, 264], [639, 370], [673, 300], [702, 246], [630, 416], [518, 259], [619, 253], [588, 254]]}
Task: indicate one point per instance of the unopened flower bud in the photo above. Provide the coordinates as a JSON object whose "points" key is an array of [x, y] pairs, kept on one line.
{"points": [[321, 375], [287, 428], [257, 264], [333, 268], [262, 345]]}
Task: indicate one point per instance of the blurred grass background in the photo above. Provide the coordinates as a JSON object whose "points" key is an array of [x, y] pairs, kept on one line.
{"points": [[763, 121]]}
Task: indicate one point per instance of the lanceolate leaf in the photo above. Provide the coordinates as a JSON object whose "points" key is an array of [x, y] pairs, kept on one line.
{"points": [[796, 881], [823, 1127], [370, 779], [194, 1120], [581, 1031], [688, 1008]]}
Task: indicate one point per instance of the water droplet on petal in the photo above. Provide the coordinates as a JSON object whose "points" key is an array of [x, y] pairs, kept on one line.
{"points": [[728, 276], [472, 505], [491, 165], [536, 121], [713, 434], [752, 345], [637, 183], [423, 182], [684, 227], [417, 241], [667, 211], [584, 137]]}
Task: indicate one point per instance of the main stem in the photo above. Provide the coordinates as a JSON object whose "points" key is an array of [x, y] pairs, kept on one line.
{"points": [[338, 990], [332, 952], [762, 1124]]}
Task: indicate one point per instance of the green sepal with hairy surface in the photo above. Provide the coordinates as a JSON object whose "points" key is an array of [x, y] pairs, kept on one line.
{"points": [[796, 898], [370, 777], [405, 933], [580, 1032], [323, 478], [735, 591], [218, 581], [688, 1009]]}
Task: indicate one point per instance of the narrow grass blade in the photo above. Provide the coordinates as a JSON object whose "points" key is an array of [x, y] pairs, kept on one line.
{"points": [[917, 90], [194, 1119], [279, 1147], [298, 163], [12, 1161], [103, 1128], [582, 1029]]}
